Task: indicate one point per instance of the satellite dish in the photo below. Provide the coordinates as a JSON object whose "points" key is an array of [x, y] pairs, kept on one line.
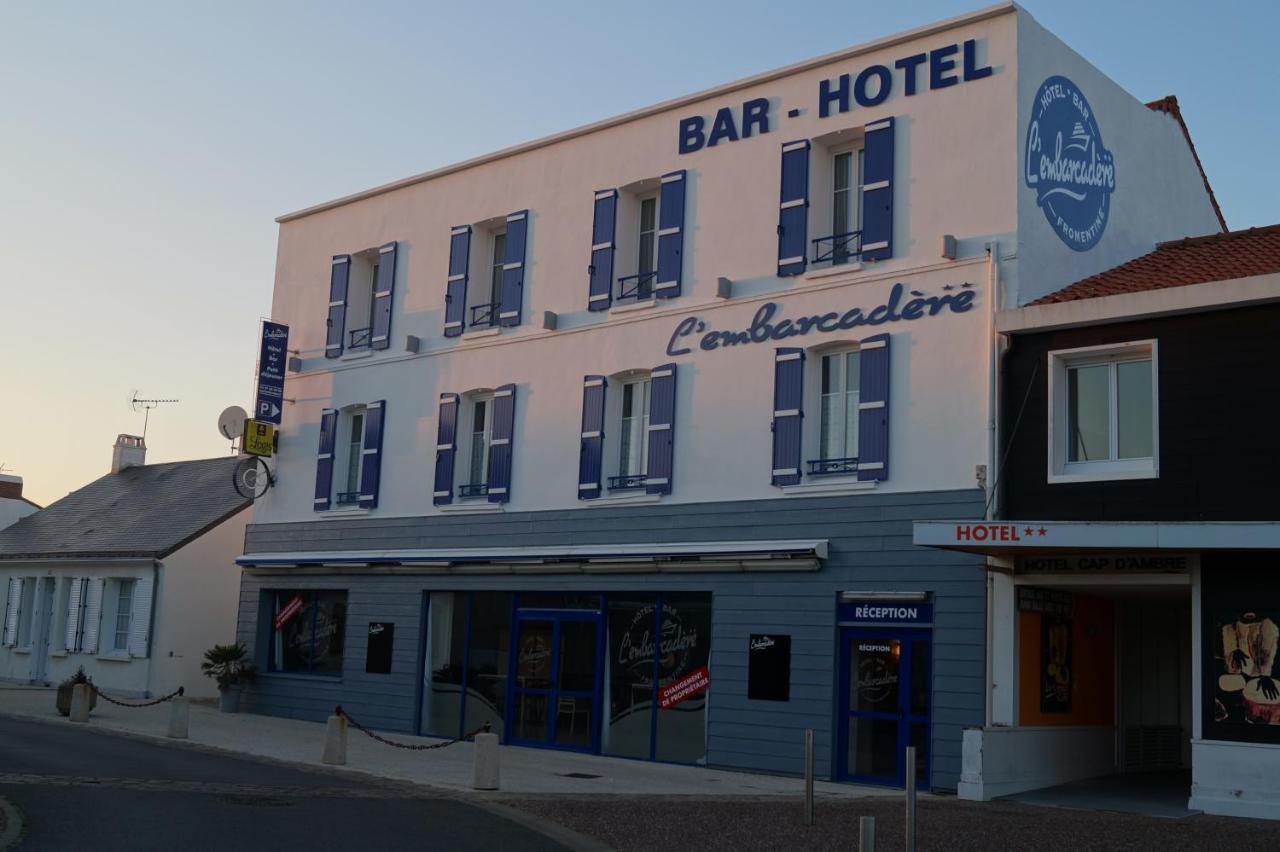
{"points": [[231, 422]]}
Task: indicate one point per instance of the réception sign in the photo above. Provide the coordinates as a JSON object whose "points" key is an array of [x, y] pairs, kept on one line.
{"points": [[684, 688]]}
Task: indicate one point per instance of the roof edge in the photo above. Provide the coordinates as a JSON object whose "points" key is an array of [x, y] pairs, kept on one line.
{"points": [[1169, 105], [983, 14]]}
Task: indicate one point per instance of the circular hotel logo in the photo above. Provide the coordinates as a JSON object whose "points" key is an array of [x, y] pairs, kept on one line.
{"points": [[1068, 167]]}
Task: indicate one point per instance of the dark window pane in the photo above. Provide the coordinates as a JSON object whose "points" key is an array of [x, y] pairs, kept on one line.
{"points": [[1133, 410], [1088, 413], [573, 720], [577, 656], [920, 739], [873, 675], [330, 632], [487, 659], [311, 641], [685, 646], [531, 716], [445, 640], [291, 648], [632, 624], [920, 681], [533, 650], [873, 747]]}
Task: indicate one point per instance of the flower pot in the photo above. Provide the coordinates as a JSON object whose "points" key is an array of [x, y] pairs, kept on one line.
{"points": [[229, 698], [64, 698]]}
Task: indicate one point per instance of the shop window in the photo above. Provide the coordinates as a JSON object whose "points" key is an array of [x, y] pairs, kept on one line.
{"points": [[308, 631], [1240, 659], [468, 647], [1103, 422]]}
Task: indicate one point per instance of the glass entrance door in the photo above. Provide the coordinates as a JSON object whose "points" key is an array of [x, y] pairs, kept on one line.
{"points": [[885, 691], [554, 692]]}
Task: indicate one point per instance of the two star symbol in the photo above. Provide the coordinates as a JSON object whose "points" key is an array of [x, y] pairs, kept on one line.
{"points": [[1030, 531]]}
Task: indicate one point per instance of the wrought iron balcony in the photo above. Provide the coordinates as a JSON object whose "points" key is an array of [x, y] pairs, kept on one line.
{"points": [[838, 248], [359, 338], [826, 467], [348, 498], [623, 483], [637, 288], [474, 489], [484, 316]]}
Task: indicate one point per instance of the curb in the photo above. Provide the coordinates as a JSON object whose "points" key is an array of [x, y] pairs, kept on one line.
{"points": [[10, 824]]}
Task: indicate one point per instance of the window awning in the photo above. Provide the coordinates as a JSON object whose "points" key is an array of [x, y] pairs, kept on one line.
{"points": [[780, 555], [1013, 538]]}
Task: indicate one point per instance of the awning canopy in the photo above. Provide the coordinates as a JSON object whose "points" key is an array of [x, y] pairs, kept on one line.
{"points": [[1015, 538], [786, 555]]}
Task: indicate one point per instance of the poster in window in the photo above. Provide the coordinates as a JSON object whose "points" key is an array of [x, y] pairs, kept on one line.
{"points": [[769, 667], [377, 658], [1247, 691], [1055, 664]]}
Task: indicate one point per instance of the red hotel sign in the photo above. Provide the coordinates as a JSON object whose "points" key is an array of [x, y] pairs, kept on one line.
{"points": [[287, 612], [684, 688], [997, 532]]}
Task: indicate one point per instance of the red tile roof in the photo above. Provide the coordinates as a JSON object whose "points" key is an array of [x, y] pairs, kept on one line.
{"points": [[1169, 104], [1193, 260]]}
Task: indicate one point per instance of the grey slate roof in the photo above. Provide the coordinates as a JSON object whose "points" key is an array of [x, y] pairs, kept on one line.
{"points": [[146, 511]]}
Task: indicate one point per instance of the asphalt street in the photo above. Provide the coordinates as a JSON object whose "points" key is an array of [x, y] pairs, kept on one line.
{"points": [[79, 789]]}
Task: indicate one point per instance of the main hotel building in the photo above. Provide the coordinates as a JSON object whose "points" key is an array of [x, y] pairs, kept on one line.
{"points": [[615, 439]]}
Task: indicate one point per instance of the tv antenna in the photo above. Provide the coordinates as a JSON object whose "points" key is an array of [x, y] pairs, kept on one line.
{"points": [[137, 404]]}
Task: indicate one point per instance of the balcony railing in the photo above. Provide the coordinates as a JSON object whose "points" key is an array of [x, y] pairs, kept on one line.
{"points": [[359, 338], [474, 489], [623, 483], [348, 498], [484, 316], [838, 248], [637, 288], [826, 467]]}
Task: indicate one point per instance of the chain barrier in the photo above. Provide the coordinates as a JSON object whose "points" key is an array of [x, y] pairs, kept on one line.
{"points": [[172, 695], [338, 711]]}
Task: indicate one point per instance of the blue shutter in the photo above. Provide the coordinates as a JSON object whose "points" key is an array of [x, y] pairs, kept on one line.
{"points": [[455, 297], [382, 290], [602, 245], [788, 414], [670, 235], [877, 191], [339, 275], [873, 408], [511, 296], [591, 457], [662, 426], [793, 213], [324, 458], [375, 418], [446, 446], [504, 421]]}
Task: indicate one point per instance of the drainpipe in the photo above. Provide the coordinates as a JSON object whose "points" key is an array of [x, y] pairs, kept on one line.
{"points": [[992, 509]]}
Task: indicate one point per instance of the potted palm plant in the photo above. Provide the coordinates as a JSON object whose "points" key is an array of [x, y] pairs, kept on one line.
{"points": [[67, 686], [231, 668]]}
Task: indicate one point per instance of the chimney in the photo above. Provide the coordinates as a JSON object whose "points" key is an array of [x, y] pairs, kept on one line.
{"points": [[129, 451], [10, 486]]}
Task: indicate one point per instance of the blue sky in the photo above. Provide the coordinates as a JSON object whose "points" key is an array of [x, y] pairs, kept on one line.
{"points": [[147, 147]]}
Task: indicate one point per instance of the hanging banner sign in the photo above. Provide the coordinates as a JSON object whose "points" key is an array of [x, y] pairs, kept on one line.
{"points": [[684, 688], [287, 612], [271, 364]]}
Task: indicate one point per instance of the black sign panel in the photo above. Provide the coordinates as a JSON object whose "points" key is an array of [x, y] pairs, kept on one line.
{"points": [[769, 667], [381, 637]]}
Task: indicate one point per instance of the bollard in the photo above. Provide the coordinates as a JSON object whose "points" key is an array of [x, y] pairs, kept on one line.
{"points": [[179, 717], [335, 741], [808, 776], [484, 775], [911, 799], [866, 834], [80, 698]]}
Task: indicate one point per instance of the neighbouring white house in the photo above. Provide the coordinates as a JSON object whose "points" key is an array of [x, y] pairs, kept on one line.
{"points": [[13, 506], [131, 577]]}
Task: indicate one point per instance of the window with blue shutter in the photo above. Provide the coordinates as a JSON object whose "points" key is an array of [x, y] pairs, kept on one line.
{"points": [[877, 191], [383, 288], [793, 213], [511, 296], [455, 297], [375, 418], [446, 447], [504, 420], [339, 276], [873, 408], [324, 458], [600, 296], [591, 456], [671, 201], [662, 424], [788, 414]]}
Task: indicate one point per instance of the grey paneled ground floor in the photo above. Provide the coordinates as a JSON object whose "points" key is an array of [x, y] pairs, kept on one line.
{"points": [[869, 551]]}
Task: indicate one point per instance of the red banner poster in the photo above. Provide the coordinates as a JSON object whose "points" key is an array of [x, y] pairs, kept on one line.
{"points": [[287, 612], [684, 688]]}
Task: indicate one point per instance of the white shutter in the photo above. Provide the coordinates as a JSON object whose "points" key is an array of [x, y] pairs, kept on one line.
{"points": [[11, 611], [140, 620], [92, 615], [73, 615]]}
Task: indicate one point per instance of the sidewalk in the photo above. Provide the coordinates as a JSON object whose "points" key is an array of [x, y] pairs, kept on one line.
{"points": [[524, 771]]}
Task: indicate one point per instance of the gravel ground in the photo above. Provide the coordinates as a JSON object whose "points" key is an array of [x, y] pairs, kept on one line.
{"points": [[942, 824]]}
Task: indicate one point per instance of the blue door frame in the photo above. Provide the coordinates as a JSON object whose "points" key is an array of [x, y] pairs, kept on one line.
{"points": [[905, 715], [556, 618]]}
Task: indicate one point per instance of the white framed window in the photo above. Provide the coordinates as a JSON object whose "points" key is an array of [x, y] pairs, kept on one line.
{"points": [[647, 242], [488, 257], [638, 215], [479, 433], [846, 206], [633, 434], [1104, 412], [839, 373], [361, 287], [498, 261], [124, 614], [349, 456]]}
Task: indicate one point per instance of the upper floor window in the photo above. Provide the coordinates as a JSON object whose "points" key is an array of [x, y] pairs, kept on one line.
{"points": [[350, 452], [360, 292], [633, 435], [846, 208], [628, 433], [486, 297], [838, 414], [637, 242], [486, 274], [480, 435], [1103, 417], [474, 445]]}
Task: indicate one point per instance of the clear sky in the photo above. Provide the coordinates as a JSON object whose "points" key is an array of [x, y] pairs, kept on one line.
{"points": [[145, 149]]}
